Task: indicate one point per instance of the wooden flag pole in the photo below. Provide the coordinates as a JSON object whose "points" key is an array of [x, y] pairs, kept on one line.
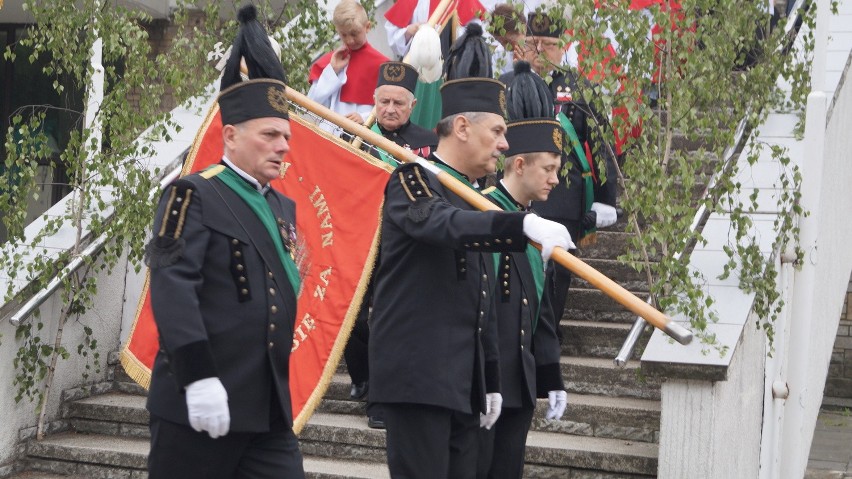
{"points": [[436, 17], [569, 261]]}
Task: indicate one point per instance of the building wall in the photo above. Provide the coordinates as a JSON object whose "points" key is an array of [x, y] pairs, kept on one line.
{"points": [[839, 381]]}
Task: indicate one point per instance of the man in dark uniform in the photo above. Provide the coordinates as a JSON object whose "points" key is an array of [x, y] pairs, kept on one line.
{"points": [[583, 202], [434, 364], [529, 348], [223, 292], [394, 103]]}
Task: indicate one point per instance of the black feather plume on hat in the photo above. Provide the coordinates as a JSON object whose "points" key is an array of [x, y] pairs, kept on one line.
{"points": [[469, 56], [527, 95], [252, 44]]}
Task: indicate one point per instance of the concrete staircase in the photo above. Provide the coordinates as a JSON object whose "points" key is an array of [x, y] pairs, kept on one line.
{"points": [[609, 431]]}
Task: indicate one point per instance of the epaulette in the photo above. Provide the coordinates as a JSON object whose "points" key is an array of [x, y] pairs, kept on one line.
{"points": [[167, 245], [487, 191], [212, 171], [414, 181]]}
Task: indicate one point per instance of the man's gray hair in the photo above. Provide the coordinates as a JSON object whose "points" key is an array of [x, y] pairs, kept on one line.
{"points": [[445, 126]]}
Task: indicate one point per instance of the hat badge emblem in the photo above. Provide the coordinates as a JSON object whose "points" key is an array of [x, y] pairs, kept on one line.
{"points": [[277, 98], [394, 73], [557, 138], [541, 22], [502, 100]]}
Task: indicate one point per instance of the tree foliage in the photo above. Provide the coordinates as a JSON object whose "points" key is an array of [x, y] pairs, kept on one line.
{"points": [[710, 64]]}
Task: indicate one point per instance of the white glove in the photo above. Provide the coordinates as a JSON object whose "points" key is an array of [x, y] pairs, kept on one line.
{"points": [[557, 402], [549, 234], [207, 403], [606, 215], [493, 406]]}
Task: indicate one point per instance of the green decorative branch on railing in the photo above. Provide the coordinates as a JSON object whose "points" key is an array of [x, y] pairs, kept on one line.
{"points": [[711, 64]]}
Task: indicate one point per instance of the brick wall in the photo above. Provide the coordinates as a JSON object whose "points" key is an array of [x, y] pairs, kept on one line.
{"points": [[839, 381]]}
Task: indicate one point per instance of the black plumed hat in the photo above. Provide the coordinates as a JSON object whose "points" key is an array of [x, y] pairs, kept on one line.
{"points": [[527, 95], [264, 94], [469, 56]]}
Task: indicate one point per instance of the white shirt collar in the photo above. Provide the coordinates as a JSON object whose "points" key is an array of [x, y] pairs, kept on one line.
{"points": [[261, 188]]}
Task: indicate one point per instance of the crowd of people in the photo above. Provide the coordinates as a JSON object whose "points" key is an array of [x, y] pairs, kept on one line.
{"points": [[452, 372]]}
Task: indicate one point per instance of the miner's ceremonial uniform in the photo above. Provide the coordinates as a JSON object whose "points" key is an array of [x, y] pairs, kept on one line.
{"points": [[433, 337], [434, 363], [529, 347], [223, 288], [572, 201]]}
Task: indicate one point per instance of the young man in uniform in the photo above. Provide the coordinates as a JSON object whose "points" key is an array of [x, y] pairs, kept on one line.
{"points": [[529, 347], [224, 289], [434, 364], [582, 201]]}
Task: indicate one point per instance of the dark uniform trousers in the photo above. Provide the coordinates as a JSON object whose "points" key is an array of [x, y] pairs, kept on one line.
{"points": [[433, 347], [223, 308], [502, 448]]}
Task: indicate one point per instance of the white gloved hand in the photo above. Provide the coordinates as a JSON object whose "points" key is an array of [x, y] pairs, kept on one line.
{"points": [[557, 402], [207, 404], [549, 234], [606, 215], [493, 406]]}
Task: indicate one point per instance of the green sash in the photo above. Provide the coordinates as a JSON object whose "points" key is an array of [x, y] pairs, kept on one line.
{"points": [[382, 153], [256, 201], [588, 179], [533, 255]]}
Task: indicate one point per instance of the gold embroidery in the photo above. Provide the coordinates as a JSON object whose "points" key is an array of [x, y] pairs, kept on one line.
{"points": [[405, 187], [423, 183], [277, 98], [394, 73], [557, 138], [182, 216], [502, 99], [168, 209]]}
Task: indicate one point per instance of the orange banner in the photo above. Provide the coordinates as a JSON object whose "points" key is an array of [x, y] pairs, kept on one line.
{"points": [[338, 192]]}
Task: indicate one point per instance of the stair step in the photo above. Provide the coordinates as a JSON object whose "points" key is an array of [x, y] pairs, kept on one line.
{"points": [[342, 436], [593, 305], [602, 416], [345, 436], [89, 455], [592, 453], [610, 245], [327, 468], [627, 277], [587, 375], [42, 475], [597, 339]]}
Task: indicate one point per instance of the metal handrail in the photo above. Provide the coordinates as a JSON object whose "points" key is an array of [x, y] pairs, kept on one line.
{"points": [[703, 213], [91, 250]]}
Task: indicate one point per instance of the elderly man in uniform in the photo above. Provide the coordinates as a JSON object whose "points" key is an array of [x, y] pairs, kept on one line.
{"points": [[223, 292], [394, 104], [434, 364], [529, 347]]}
